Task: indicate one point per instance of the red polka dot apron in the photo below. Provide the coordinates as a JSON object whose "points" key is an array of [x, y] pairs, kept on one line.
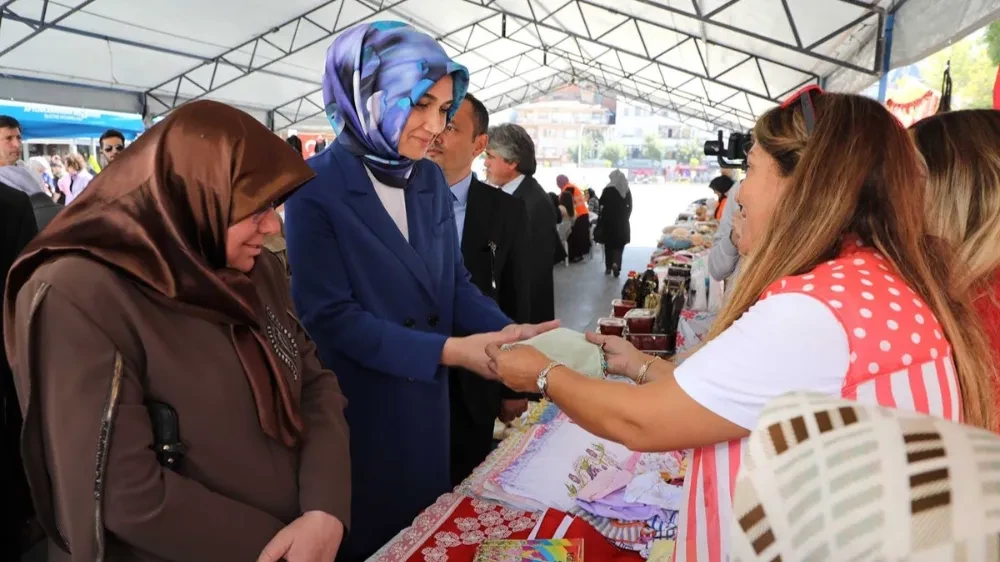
{"points": [[899, 358]]}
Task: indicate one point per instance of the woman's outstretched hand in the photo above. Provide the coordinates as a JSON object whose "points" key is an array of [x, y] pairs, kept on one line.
{"points": [[528, 331], [622, 357], [470, 352], [517, 367]]}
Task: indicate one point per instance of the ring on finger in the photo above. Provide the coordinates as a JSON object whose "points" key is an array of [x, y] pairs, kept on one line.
{"points": [[507, 347]]}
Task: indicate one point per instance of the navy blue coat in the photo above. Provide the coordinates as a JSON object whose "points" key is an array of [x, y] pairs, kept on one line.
{"points": [[380, 309]]}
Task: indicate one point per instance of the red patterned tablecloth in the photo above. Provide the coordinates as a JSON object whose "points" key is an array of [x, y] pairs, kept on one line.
{"points": [[409, 545], [452, 529]]}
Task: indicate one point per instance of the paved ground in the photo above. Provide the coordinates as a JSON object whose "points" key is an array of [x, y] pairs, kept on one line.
{"points": [[583, 292]]}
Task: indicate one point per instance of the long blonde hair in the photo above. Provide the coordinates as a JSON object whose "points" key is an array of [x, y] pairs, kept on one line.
{"points": [[962, 152], [858, 173]]}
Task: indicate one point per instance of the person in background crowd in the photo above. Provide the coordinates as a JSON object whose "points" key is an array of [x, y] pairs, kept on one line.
{"points": [[77, 177], [13, 171], [562, 228], [962, 152], [613, 227], [58, 173], [493, 234], [275, 242], [510, 165], [724, 257], [853, 303], [17, 228], [320, 146], [10, 141], [721, 186], [593, 203], [564, 223], [572, 197], [112, 144], [295, 142], [175, 303], [39, 165], [377, 271]]}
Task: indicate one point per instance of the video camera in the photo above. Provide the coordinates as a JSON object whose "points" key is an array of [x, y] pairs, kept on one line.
{"points": [[732, 155]]}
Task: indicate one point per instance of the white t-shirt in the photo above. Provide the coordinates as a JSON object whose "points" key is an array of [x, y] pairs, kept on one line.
{"points": [[394, 201], [784, 343]]}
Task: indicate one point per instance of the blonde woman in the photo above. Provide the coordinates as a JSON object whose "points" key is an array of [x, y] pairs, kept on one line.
{"points": [[962, 152], [79, 177], [842, 295]]}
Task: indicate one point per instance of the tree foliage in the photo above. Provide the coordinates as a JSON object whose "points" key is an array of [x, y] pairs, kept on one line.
{"points": [[653, 148], [613, 152], [992, 40], [972, 72]]}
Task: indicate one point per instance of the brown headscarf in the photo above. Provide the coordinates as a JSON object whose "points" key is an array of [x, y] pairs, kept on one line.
{"points": [[160, 214]]}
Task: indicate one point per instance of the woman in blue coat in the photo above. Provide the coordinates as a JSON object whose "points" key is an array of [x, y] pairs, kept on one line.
{"points": [[377, 272]]}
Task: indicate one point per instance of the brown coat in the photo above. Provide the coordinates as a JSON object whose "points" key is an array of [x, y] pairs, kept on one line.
{"points": [[92, 346]]}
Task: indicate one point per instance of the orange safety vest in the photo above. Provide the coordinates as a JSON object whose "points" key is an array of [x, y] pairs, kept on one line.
{"points": [[720, 207], [580, 208]]}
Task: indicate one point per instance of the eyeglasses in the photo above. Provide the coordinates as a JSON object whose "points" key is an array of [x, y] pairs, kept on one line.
{"points": [[808, 111], [259, 215], [114, 147]]}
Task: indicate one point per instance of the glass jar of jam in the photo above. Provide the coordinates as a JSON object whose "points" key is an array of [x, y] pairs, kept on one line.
{"points": [[611, 326], [640, 320], [621, 306], [649, 342]]}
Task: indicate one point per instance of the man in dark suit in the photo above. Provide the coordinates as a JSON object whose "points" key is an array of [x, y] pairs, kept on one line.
{"points": [[493, 233], [510, 165], [17, 228]]}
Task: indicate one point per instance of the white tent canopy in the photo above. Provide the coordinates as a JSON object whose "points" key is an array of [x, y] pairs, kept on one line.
{"points": [[719, 61]]}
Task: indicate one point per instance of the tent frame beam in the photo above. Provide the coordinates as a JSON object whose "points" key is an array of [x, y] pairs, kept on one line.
{"points": [[301, 101], [384, 6], [145, 46], [872, 10], [643, 56], [626, 75], [41, 25]]}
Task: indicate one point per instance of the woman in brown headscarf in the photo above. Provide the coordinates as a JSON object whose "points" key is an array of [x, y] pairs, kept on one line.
{"points": [[156, 288]]}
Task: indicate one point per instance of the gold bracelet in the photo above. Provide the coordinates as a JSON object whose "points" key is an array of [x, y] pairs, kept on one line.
{"points": [[642, 370]]}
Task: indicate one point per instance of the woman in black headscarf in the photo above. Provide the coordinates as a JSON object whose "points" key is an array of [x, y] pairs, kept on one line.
{"points": [[613, 228]]}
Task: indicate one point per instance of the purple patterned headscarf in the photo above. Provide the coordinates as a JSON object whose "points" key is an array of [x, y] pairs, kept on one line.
{"points": [[375, 73]]}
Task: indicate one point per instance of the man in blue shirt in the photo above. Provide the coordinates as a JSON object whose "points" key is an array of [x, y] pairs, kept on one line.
{"points": [[493, 232]]}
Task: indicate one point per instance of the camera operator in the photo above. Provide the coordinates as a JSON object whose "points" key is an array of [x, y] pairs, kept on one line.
{"points": [[724, 259]]}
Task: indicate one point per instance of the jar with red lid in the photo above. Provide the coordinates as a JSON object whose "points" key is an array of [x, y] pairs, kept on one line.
{"points": [[621, 306], [611, 326], [640, 320]]}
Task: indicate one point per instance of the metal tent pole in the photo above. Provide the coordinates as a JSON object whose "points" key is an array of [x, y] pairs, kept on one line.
{"points": [[883, 83]]}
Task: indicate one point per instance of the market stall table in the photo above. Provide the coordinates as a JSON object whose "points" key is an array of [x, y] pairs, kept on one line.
{"points": [[454, 527]]}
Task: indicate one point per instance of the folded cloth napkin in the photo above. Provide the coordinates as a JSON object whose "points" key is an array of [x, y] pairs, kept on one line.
{"points": [[650, 489], [611, 480], [615, 506], [572, 349]]}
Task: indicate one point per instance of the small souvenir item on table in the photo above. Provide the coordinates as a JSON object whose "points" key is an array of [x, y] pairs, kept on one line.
{"points": [[640, 320], [621, 306], [538, 550], [611, 326]]}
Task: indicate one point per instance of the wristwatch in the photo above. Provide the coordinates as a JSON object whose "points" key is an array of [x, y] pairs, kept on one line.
{"points": [[543, 378]]}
